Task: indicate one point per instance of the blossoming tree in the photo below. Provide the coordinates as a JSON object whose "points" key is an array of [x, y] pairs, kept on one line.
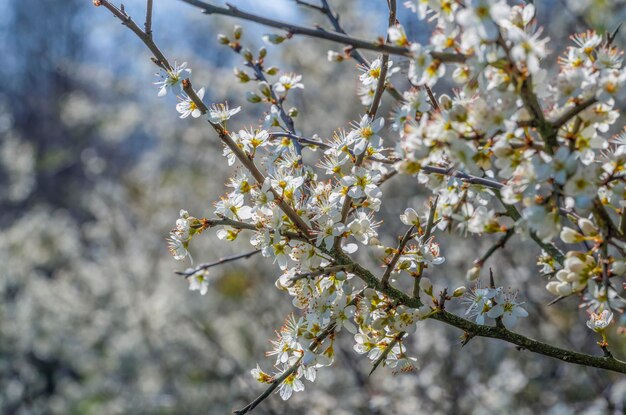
{"points": [[511, 149]]}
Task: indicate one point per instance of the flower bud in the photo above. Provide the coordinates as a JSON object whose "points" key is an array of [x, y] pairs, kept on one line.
{"points": [[564, 289], [273, 70], [335, 56], [242, 76], [618, 268], [578, 285], [587, 227], [253, 98], [273, 39], [445, 101], [423, 311], [563, 275], [552, 287], [222, 39], [237, 32], [574, 264], [262, 53], [264, 88], [473, 273], [459, 291], [410, 217], [247, 55], [426, 285], [570, 236], [293, 112]]}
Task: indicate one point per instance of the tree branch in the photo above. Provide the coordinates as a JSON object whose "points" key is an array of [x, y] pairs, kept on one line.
{"points": [[321, 271], [159, 59], [394, 260], [474, 329], [320, 33], [499, 244], [532, 345], [572, 112], [258, 71], [550, 248]]}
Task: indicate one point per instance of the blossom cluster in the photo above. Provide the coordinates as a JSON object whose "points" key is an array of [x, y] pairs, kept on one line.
{"points": [[542, 139], [513, 151]]}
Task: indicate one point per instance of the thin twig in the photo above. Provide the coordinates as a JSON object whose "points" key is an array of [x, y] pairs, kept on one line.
{"points": [[574, 111], [267, 392], [429, 228], [258, 71], [492, 249], [358, 56], [532, 345], [321, 271], [202, 267], [159, 59], [468, 178], [386, 352], [431, 97], [148, 24], [300, 139], [550, 248], [382, 77], [320, 33], [408, 235], [277, 382], [191, 93]]}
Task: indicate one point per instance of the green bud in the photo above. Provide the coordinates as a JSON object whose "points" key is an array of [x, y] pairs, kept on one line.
{"points": [[247, 55], [341, 276], [223, 39], [242, 76], [237, 32], [264, 88], [459, 291], [273, 70], [273, 39], [253, 98]]}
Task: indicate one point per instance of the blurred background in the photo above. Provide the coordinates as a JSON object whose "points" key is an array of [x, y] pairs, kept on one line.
{"points": [[94, 169]]}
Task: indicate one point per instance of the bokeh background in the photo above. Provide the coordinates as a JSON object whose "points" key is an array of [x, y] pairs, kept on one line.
{"points": [[93, 171]]}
